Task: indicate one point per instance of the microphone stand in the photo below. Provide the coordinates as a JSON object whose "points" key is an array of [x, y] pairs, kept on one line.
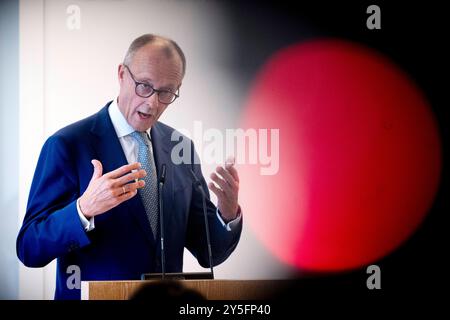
{"points": [[180, 275], [161, 220], [199, 187]]}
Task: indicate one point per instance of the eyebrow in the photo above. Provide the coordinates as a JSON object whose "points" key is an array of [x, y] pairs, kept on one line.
{"points": [[145, 80], [149, 81], [173, 90]]}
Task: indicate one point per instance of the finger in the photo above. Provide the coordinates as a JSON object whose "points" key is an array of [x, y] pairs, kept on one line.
{"points": [[218, 192], [98, 169], [122, 170], [230, 161], [125, 196], [222, 183], [232, 170], [130, 177], [227, 176], [130, 187]]}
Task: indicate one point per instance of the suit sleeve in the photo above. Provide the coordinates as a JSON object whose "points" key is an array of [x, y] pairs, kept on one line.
{"points": [[51, 227], [223, 242]]}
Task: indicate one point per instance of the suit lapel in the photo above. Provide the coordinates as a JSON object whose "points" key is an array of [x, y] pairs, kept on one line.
{"points": [[111, 155]]}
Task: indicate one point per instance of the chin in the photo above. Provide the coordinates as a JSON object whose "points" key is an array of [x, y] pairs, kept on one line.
{"points": [[141, 127]]}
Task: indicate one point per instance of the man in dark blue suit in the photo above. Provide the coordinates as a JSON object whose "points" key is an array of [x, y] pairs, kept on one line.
{"points": [[102, 219]]}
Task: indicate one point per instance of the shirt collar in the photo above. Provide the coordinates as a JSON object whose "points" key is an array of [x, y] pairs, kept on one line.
{"points": [[119, 122]]}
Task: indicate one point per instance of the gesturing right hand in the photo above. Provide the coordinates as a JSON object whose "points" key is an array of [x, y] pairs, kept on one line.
{"points": [[107, 191]]}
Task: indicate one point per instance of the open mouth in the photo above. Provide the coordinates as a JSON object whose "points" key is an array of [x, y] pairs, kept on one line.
{"points": [[143, 115]]}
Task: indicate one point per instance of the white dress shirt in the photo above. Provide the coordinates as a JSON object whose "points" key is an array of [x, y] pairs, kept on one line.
{"points": [[130, 148]]}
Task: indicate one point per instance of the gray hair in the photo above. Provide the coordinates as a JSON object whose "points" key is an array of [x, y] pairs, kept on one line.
{"points": [[169, 48]]}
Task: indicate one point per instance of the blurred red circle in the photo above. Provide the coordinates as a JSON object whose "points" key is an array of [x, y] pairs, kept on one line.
{"points": [[359, 156]]}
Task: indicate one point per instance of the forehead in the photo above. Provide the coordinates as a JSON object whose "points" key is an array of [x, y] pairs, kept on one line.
{"points": [[158, 64]]}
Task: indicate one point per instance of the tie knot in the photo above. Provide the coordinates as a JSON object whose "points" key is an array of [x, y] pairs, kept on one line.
{"points": [[141, 137]]}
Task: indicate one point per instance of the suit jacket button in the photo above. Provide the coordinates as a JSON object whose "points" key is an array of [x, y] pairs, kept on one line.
{"points": [[73, 245]]}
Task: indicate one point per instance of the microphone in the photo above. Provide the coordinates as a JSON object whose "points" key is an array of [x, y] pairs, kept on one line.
{"points": [[179, 275], [162, 179], [198, 185]]}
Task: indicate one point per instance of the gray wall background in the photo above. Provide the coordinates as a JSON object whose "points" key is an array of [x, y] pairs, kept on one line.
{"points": [[9, 151]]}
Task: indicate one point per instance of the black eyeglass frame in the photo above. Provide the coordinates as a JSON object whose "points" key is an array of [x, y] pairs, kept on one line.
{"points": [[153, 90]]}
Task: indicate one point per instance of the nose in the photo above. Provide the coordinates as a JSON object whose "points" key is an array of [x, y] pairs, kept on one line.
{"points": [[153, 101]]}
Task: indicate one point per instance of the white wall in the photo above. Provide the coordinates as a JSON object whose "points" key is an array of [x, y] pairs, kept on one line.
{"points": [[9, 151], [69, 74]]}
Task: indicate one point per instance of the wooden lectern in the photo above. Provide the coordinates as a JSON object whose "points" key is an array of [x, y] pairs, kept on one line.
{"points": [[210, 289]]}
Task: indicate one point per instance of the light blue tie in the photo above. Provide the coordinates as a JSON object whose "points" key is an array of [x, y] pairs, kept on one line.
{"points": [[149, 193]]}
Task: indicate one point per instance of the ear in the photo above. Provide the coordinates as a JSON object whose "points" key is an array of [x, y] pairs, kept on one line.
{"points": [[120, 72]]}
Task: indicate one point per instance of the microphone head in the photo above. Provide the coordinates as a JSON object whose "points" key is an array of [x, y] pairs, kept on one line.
{"points": [[197, 182], [193, 175], [162, 178]]}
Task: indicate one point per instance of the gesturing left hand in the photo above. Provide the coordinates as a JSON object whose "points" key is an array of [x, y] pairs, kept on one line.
{"points": [[227, 189]]}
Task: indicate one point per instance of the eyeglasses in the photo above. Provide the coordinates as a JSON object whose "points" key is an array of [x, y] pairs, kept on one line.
{"points": [[145, 90]]}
